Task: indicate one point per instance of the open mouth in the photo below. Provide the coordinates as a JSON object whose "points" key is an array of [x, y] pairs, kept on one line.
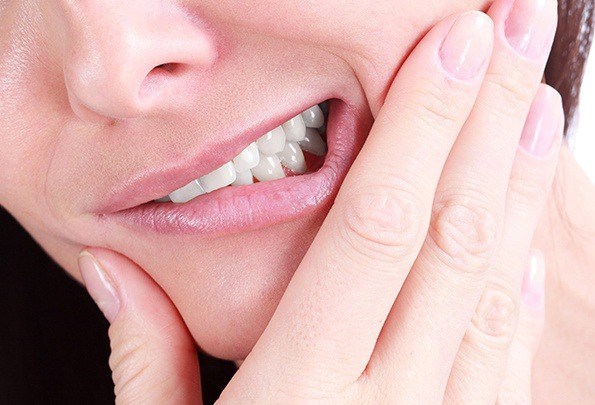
{"points": [[294, 170], [296, 147]]}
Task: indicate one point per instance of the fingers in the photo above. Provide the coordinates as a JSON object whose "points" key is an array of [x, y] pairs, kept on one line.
{"points": [[440, 295], [482, 357], [516, 388], [336, 304], [153, 357]]}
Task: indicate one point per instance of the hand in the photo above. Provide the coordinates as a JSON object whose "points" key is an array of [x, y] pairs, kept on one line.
{"points": [[411, 290]]}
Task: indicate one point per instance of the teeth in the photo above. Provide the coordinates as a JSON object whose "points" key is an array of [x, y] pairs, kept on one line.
{"points": [[188, 192], [272, 142], [269, 168], [247, 159], [295, 129], [292, 157], [313, 143], [222, 177], [313, 117], [266, 158], [243, 178]]}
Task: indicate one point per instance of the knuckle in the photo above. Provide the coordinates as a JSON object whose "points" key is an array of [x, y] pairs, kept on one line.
{"points": [[509, 88], [514, 396], [433, 105], [527, 188], [464, 233], [301, 390], [129, 361], [382, 223], [494, 322], [376, 391]]}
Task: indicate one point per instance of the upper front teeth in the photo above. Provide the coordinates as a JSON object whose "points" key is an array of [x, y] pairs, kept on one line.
{"points": [[264, 158], [223, 176], [272, 142], [295, 129], [313, 117], [247, 159], [187, 193]]}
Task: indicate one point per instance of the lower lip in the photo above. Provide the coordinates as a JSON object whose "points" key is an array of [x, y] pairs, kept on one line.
{"points": [[240, 209]]}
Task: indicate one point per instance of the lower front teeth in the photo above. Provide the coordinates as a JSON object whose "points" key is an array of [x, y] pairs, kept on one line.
{"points": [[269, 168], [264, 158], [313, 143], [292, 157], [243, 179]]}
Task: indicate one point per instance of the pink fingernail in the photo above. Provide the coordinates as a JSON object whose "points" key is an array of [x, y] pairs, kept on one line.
{"points": [[467, 45], [99, 286], [533, 290], [542, 122], [530, 26]]}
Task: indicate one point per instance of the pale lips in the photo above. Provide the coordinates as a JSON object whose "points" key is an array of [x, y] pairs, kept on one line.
{"points": [[270, 157]]}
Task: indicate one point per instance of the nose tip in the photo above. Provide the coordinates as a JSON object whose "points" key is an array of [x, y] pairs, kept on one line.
{"points": [[127, 67]]}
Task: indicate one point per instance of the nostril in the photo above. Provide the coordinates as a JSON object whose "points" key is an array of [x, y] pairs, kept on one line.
{"points": [[157, 80], [168, 67], [119, 67]]}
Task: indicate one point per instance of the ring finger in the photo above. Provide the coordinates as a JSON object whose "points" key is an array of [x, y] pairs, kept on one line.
{"points": [[482, 358]]}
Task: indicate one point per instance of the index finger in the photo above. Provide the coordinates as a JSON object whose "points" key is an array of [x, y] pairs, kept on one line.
{"points": [[341, 294]]}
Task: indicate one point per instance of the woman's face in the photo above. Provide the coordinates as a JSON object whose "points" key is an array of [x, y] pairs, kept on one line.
{"points": [[108, 104]]}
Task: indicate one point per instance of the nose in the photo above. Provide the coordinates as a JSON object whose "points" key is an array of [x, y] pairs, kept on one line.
{"points": [[124, 59]]}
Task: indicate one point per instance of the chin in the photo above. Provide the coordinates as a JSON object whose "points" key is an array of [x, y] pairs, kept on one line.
{"points": [[227, 289]]}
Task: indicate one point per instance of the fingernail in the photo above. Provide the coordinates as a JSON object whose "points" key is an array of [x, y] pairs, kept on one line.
{"points": [[542, 123], [530, 26], [467, 45], [533, 290], [99, 286]]}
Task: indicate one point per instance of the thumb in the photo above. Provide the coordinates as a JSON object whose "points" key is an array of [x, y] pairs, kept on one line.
{"points": [[153, 356]]}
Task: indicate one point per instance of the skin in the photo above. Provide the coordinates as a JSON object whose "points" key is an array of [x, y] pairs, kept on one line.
{"points": [[75, 154], [76, 149], [566, 234]]}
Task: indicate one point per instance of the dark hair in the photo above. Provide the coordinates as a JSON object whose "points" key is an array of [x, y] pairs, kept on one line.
{"points": [[566, 66], [53, 341]]}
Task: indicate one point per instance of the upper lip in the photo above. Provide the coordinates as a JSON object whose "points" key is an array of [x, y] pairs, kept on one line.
{"points": [[158, 181]]}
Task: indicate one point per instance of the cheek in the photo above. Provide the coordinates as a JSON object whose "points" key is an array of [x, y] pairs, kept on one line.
{"points": [[31, 114], [28, 140], [376, 37]]}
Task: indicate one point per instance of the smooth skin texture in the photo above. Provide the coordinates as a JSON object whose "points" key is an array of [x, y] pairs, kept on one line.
{"points": [[58, 158], [349, 321], [213, 281]]}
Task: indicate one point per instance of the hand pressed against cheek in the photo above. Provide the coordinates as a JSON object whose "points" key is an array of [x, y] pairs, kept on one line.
{"points": [[94, 104]]}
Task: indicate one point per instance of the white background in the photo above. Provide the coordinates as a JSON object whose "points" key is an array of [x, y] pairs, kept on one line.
{"points": [[583, 142]]}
